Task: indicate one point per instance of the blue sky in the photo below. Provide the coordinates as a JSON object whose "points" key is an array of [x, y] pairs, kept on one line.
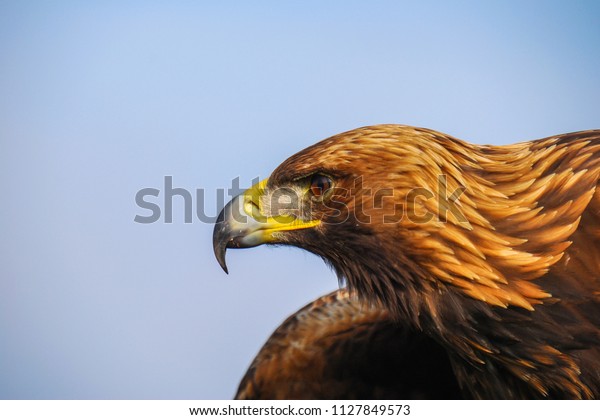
{"points": [[101, 99]]}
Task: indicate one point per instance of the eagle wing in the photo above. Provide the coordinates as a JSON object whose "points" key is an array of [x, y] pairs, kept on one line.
{"points": [[337, 348]]}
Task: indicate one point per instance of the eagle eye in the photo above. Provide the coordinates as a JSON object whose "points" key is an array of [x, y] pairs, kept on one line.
{"points": [[319, 185]]}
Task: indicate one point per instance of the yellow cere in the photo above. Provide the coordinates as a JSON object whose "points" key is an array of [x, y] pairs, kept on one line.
{"points": [[271, 224]]}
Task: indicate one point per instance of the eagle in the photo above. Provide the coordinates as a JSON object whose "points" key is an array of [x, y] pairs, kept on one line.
{"points": [[491, 252]]}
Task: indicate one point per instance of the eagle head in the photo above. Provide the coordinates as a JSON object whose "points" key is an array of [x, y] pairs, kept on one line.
{"points": [[373, 202]]}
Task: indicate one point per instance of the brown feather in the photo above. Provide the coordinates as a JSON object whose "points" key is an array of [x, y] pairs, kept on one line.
{"points": [[337, 348], [508, 280]]}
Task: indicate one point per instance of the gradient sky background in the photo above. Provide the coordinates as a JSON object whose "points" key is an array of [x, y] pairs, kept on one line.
{"points": [[101, 99]]}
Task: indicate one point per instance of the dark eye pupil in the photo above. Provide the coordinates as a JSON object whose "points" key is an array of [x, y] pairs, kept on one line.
{"points": [[319, 185]]}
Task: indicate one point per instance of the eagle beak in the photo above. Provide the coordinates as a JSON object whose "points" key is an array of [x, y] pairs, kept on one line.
{"points": [[235, 229], [241, 224]]}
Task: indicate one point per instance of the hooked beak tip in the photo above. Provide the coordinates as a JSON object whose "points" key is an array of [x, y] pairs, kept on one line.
{"points": [[221, 259], [220, 240]]}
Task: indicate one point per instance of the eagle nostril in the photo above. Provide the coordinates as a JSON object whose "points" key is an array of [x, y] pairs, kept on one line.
{"points": [[252, 208]]}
